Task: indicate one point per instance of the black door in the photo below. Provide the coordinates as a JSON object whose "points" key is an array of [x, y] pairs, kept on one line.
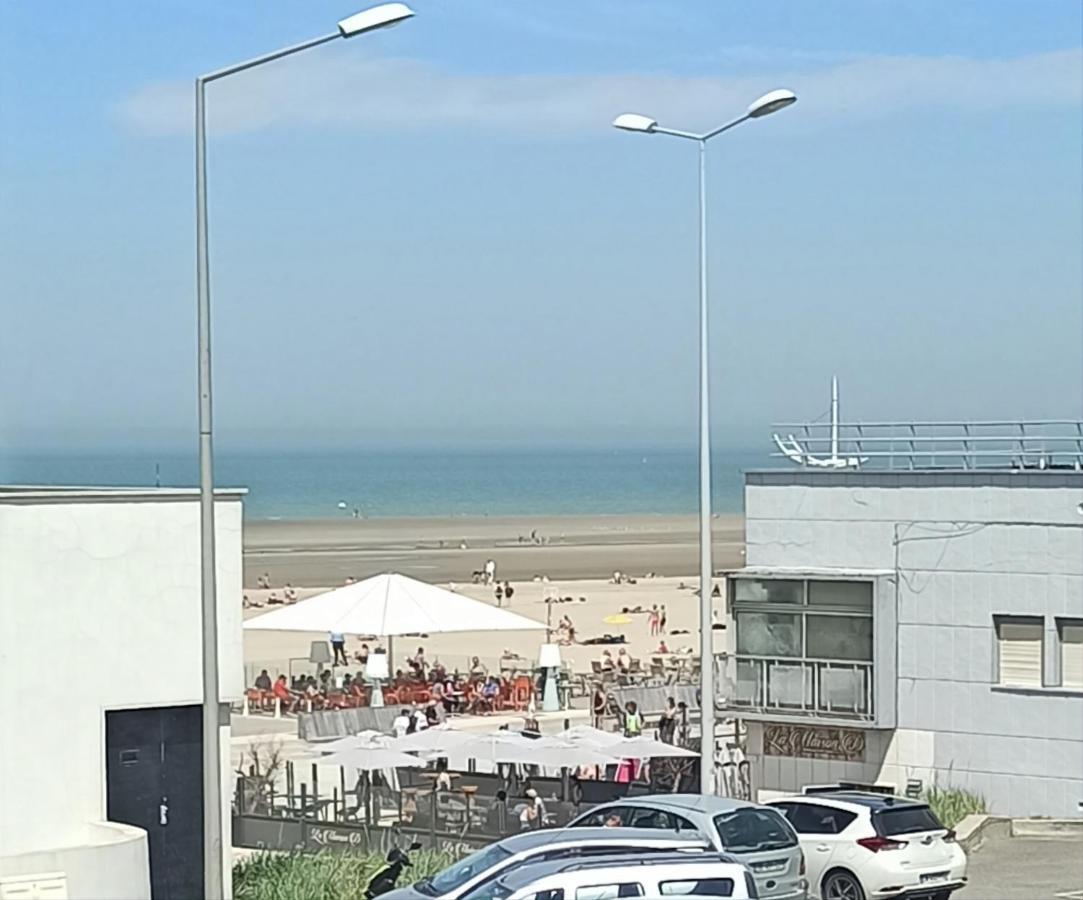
{"points": [[154, 778]]}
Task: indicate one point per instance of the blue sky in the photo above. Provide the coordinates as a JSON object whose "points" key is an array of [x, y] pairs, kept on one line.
{"points": [[432, 235]]}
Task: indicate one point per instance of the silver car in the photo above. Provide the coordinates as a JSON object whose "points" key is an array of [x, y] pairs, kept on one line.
{"points": [[475, 877], [757, 836]]}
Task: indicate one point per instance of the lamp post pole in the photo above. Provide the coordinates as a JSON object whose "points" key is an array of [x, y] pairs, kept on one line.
{"points": [[765, 105], [706, 631], [213, 715]]}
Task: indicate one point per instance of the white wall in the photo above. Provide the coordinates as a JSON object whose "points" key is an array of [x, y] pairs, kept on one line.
{"points": [[967, 552], [111, 865], [99, 610]]}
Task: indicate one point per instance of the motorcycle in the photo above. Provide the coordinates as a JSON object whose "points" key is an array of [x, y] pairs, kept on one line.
{"points": [[386, 879]]}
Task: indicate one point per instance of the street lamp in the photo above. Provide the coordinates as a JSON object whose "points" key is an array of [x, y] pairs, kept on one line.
{"points": [[359, 23], [764, 106]]}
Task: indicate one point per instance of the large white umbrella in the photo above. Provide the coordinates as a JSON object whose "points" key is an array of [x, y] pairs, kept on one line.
{"points": [[389, 605]]}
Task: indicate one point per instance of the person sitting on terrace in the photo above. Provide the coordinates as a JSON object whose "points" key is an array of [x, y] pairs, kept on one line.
{"points": [[607, 661], [325, 682], [662, 648], [417, 662], [362, 655], [287, 698], [624, 661], [263, 681], [438, 674]]}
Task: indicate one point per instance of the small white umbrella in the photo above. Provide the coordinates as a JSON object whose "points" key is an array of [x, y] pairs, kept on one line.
{"points": [[431, 740], [369, 758], [590, 736], [363, 739], [514, 748], [646, 748]]}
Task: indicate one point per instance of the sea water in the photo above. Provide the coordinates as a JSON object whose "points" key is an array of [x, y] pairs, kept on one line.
{"points": [[329, 484]]}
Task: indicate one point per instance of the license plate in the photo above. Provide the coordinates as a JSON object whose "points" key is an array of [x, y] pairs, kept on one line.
{"points": [[765, 868], [934, 876]]}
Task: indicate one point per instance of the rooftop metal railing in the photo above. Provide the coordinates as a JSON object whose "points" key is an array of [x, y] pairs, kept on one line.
{"points": [[1012, 445]]}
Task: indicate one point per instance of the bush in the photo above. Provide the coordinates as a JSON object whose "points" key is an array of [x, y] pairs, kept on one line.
{"points": [[952, 805], [323, 876]]}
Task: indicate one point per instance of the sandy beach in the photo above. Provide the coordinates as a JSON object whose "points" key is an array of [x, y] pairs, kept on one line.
{"points": [[324, 552], [577, 554]]}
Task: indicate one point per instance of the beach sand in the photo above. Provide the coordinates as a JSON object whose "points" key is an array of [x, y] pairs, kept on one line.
{"points": [[323, 552], [581, 555]]}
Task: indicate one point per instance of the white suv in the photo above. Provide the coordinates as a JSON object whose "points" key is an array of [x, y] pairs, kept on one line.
{"points": [[861, 846]]}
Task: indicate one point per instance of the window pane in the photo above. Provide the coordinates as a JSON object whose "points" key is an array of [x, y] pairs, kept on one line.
{"points": [[768, 634], [702, 887], [768, 591], [855, 595], [751, 829], [1019, 646], [839, 637], [1071, 654]]}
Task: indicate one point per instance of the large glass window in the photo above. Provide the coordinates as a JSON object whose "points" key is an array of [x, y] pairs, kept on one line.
{"points": [[748, 590], [768, 634], [839, 637]]}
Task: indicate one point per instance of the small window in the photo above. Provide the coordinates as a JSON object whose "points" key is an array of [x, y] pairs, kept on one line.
{"points": [[1070, 632], [554, 894], [905, 820], [657, 818], [607, 891], [812, 818], [701, 887], [855, 595], [609, 817], [748, 590], [1019, 651]]}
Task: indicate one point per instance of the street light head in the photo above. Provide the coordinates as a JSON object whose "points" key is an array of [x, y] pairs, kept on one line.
{"points": [[770, 103], [382, 16], [634, 122]]}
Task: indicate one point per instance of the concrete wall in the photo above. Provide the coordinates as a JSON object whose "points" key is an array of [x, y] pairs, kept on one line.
{"points": [[112, 864], [99, 610], [968, 548]]}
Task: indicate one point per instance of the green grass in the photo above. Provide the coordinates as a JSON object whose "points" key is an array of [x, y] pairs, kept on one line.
{"points": [[952, 805], [323, 876]]}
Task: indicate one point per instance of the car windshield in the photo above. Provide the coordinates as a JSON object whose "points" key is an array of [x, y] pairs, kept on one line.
{"points": [[752, 830], [906, 820], [454, 877]]}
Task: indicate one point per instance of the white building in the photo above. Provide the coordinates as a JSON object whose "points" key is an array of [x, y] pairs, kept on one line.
{"points": [[101, 678], [905, 627]]}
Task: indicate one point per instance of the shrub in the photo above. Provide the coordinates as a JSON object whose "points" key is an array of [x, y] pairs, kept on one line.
{"points": [[952, 805], [323, 876]]}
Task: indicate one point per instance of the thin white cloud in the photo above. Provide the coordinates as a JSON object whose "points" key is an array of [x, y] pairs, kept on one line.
{"points": [[401, 94]]}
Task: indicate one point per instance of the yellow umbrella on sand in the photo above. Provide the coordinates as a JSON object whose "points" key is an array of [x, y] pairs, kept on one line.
{"points": [[617, 619]]}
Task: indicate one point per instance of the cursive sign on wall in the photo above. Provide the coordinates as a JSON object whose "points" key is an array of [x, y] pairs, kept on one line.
{"points": [[814, 742]]}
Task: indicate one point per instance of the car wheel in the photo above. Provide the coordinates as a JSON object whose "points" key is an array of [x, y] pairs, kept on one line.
{"points": [[842, 885]]}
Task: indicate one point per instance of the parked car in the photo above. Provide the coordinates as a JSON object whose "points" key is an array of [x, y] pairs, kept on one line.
{"points": [[472, 878], [757, 836], [656, 875], [861, 846]]}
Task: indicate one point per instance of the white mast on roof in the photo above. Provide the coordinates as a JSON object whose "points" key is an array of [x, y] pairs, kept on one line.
{"points": [[792, 449]]}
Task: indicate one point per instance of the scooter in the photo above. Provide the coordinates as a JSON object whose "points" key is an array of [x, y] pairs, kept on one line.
{"points": [[387, 878]]}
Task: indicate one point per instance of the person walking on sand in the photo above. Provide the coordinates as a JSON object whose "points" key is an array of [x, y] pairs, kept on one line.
{"points": [[490, 571]]}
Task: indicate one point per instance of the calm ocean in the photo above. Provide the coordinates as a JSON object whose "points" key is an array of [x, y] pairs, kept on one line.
{"points": [[418, 483]]}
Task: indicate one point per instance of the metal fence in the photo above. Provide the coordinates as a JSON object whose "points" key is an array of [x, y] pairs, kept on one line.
{"points": [[1016, 445]]}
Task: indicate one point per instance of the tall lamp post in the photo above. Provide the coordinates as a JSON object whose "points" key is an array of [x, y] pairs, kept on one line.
{"points": [[359, 23], [764, 106]]}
